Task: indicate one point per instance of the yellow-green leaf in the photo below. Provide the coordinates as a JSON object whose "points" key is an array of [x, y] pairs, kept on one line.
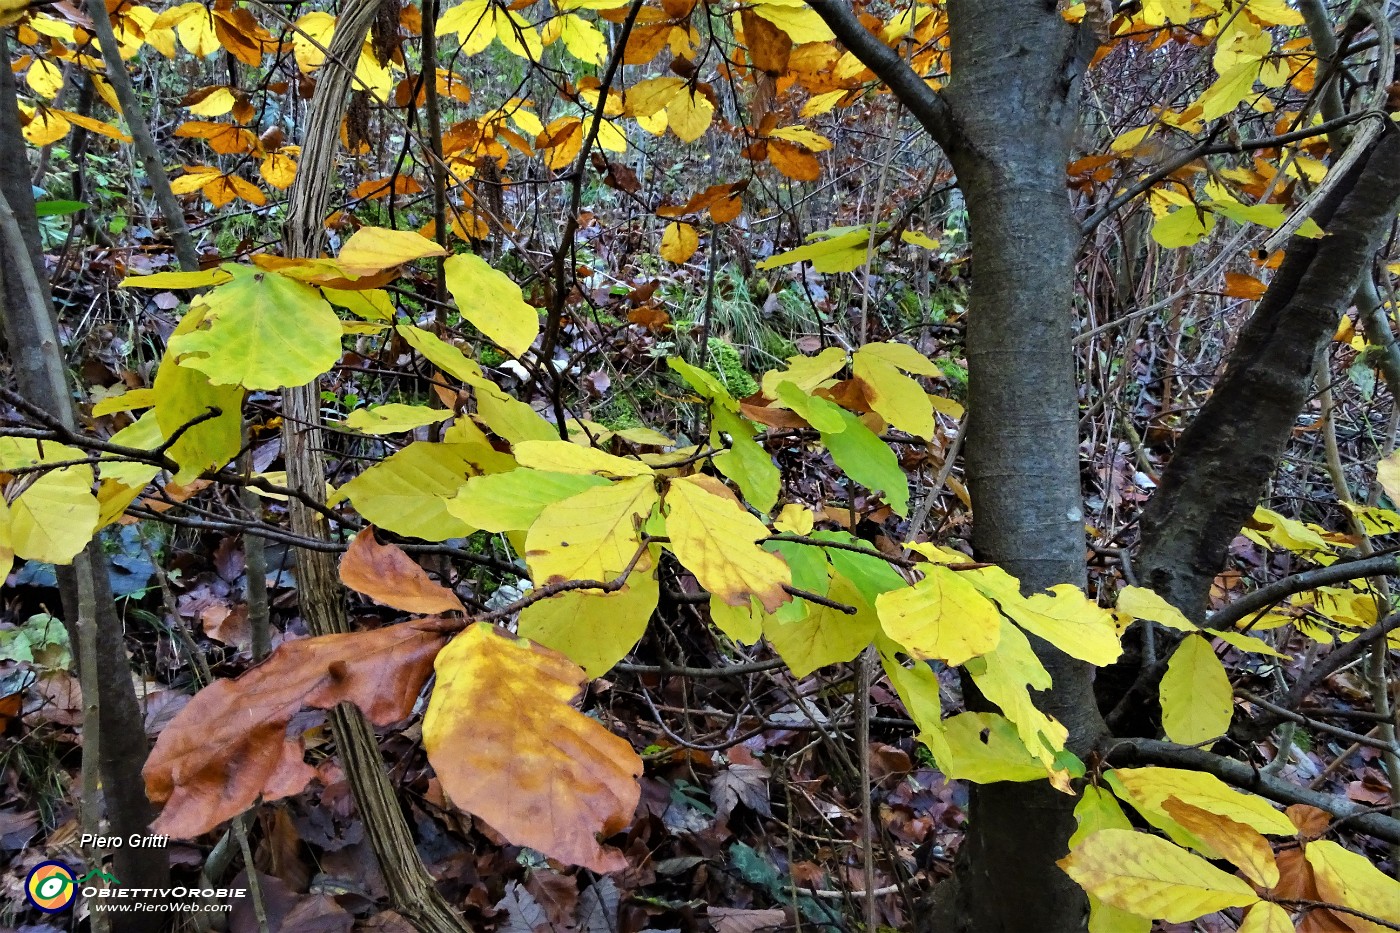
{"points": [[408, 492], [805, 372], [896, 397], [492, 303], [512, 501], [714, 538], [594, 630], [201, 279], [1197, 702], [824, 635], [442, 355], [394, 418], [1098, 810], [942, 616], [183, 394], [590, 536], [744, 624], [1150, 877], [261, 331], [1006, 675], [566, 457], [1142, 603], [1264, 917], [508, 747]]}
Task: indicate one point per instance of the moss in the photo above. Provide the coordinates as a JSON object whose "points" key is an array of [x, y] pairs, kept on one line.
{"points": [[619, 413], [490, 356], [724, 364], [956, 374]]}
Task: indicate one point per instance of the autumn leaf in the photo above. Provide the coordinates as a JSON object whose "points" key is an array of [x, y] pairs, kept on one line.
{"points": [[509, 748], [943, 616], [1197, 700], [371, 250], [714, 538], [228, 746], [1241, 845], [1148, 876], [679, 242], [1350, 880], [592, 535], [594, 630], [492, 303], [387, 575]]}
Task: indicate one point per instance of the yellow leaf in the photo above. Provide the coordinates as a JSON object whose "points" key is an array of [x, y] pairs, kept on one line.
{"points": [[407, 493], [492, 303], [689, 115], [46, 127], [943, 616], [1388, 475], [313, 33], [508, 747], [144, 434], [839, 252], [217, 103], [582, 39], [1142, 603], [394, 418], [822, 103], [442, 355], [679, 242], [214, 276], [7, 547], [1348, 879], [800, 134], [510, 418], [183, 394], [45, 78], [714, 538], [56, 514], [512, 501], [371, 250], [1150, 877], [744, 624], [261, 331], [824, 635], [1239, 844], [566, 457], [652, 95], [1098, 810], [590, 536], [983, 748], [1067, 619], [126, 401], [795, 519], [799, 21], [1264, 917], [594, 630], [1197, 702], [896, 397], [1148, 788], [279, 170], [805, 372], [1229, 90]]}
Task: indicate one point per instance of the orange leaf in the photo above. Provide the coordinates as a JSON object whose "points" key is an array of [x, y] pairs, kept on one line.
{"points": [[1239, 285], [229, 747], [509, 748], [793, 161], [769, 47], [387, 575]]}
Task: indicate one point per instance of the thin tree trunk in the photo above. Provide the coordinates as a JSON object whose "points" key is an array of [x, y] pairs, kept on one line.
{"points": [[146, 148], [411, 889], [31, 332]]}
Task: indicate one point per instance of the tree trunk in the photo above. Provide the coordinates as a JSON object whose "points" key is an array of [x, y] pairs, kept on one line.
{"points": [[1225, 458], [31, 332]]}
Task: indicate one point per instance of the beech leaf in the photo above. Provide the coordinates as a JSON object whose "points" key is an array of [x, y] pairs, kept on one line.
{"points": [[387, 575]]}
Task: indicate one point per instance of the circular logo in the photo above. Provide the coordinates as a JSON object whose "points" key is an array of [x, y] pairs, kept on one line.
{"points": [[51, 887]]}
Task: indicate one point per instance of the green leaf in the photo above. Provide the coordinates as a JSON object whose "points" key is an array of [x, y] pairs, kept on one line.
{"points": [[264, 331], [746, 462], [512, 501], [408, 492], [842, 253], [59, 208], [871, 573], [183, 394], [869, 461]]}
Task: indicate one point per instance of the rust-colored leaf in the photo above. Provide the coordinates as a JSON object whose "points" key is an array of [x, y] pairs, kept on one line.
{"points": [[793, 160], [1239, 285], [229, 746], [769, 47], [509, 748], [387, 575]]}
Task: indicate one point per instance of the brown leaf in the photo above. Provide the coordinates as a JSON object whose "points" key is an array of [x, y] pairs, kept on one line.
{"points": [[1312, 823], [1239, 285], [387, 575], [742, 920], [229, 745], [793, 160], [769, 47], [509, 748]]}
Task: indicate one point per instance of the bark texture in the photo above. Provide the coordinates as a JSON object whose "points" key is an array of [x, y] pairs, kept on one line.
{"points": [[1014, 105]]}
